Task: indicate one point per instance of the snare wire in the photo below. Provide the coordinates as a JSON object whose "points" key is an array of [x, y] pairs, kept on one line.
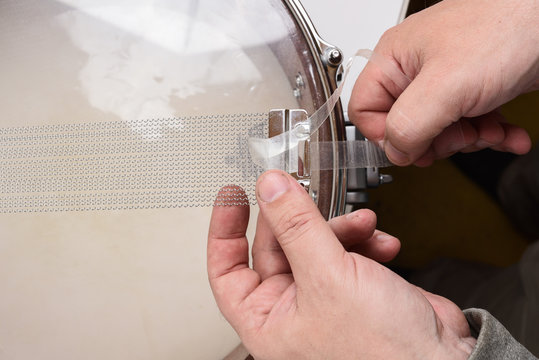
{"points": [[161, 163]]}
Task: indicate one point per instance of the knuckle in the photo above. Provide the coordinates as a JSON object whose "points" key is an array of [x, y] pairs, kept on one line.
{"points": [[358, 114], [401, 128], [388, 35], [293, 225]]}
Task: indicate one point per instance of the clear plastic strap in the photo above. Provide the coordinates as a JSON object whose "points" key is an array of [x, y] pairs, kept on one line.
{"points": [[269, 153], [351, 155]]}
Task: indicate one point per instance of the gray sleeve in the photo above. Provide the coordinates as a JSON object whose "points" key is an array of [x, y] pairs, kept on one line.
{"points": [[493, 340]]}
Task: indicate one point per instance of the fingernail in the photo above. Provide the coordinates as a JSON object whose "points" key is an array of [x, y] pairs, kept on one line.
{"points": [[381, 144], [395, 156], [383, 237], [271, 186]]}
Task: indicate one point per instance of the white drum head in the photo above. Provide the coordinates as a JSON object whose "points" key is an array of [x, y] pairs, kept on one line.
{"points": [[128, 284]]}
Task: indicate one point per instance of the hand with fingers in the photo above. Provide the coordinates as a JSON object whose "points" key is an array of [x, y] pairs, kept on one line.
{"points": [[307, 297], [465, 59]]}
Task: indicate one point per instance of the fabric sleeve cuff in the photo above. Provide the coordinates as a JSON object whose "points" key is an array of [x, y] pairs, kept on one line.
{"points": [[493, 340]]}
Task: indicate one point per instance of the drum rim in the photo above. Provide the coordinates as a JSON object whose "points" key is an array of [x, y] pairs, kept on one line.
{"points": [[328, 76]]}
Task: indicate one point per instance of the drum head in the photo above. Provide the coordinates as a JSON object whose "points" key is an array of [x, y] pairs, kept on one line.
{"points": [[120, 283]]}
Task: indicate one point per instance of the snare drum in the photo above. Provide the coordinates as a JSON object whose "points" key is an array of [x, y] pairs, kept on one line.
{"points": [[132, 284]]}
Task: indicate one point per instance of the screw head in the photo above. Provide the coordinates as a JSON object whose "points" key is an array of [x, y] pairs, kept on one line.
{"points": [[334, 57], [385, 178], [299, 80]]}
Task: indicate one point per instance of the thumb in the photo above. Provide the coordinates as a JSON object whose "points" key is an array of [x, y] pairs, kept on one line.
{"points": [[427, 106], [305, 237]]}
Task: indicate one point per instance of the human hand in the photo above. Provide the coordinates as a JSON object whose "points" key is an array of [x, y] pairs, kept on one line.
{"points": [[320, 301], [356, 232], [465, 58]]}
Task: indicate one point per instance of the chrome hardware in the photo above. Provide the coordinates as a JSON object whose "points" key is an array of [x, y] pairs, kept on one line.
{"points": [[314, 196], [299, 81], [304, 161], [333, 57], [356, 197], [300, 84], [358, 180], [374, 178], [385, 179], [283, 120]]}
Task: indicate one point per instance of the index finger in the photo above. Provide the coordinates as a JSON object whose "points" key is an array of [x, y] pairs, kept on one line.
{"points": [[372, 97], [229, 274]]}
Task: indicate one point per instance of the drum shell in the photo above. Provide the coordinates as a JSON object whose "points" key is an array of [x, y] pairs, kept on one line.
{"points": [[121, 284]]}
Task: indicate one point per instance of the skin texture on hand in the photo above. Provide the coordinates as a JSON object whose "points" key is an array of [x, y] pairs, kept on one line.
{"points": [[307, 297], [465, 59]]}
